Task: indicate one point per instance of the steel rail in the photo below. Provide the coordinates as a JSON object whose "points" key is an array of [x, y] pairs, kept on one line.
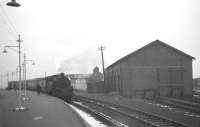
{"points": [[144, 117], [101, 116], [192, 106]]}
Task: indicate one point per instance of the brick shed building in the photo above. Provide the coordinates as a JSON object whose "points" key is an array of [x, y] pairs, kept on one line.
{"points": [[156, 69]]}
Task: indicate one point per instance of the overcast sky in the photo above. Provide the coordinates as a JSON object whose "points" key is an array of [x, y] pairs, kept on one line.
{"points": [[60, 32]]}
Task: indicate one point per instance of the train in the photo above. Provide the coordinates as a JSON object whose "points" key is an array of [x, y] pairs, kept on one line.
{"points": [[56, 85]]}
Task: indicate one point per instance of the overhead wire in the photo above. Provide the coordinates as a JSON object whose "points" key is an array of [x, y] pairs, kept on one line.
{"points": [[11, 27], [9, 21], [9, 32]]}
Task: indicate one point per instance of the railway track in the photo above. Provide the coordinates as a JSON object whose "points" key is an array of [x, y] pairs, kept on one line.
{"points": [[191, 106], [128, 116], [196, 93], [100, 116]]}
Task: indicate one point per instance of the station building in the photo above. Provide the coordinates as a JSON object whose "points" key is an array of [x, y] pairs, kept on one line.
{"points": [[79, 81], [91, 83], [156, 69]]}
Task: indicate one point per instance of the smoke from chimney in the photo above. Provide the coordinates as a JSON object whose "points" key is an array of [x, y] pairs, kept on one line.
{"points": [[81, 64]]}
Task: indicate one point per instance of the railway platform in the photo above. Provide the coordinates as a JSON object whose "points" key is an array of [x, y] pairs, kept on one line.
{"points": [[182, 116], [42, 111]]}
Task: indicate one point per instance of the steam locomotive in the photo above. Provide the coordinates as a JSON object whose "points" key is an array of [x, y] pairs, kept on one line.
{"points": [[55, 85]]}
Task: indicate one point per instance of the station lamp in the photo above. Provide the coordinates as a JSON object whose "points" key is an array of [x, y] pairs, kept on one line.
{"points": [[13, 3]]}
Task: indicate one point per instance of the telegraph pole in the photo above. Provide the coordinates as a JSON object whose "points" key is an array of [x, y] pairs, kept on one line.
{"points": [[1, 80], [16, 74], [23, 79], [25, 73], [101, 49], [7, 77], [12, 75], [45, 75]]}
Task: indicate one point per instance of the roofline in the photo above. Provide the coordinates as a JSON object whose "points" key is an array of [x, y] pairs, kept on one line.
{"points": [[177, 50], [138, 50]]}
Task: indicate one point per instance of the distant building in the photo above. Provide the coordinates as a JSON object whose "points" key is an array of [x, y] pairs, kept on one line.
{"points": [[79, 81], [156, 69], [96, 75], [95, 82], [87, 82]]}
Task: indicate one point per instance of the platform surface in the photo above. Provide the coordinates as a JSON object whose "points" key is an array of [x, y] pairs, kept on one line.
{"points": [[42, 111]]}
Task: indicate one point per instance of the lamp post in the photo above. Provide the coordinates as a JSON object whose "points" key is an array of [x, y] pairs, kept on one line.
{"points": [[16, 74], [19, 107], [16, 77], [101, 49], [13, 3], [24, 72]]}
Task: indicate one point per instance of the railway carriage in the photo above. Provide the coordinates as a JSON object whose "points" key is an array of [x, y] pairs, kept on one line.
{"points": [[56, 85]]}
